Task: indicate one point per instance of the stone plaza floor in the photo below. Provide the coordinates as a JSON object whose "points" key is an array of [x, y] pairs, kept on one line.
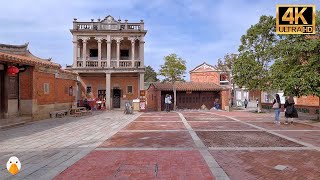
{"points": [[160, 145]]}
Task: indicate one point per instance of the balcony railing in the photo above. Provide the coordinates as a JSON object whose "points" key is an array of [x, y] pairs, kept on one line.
{"points": [[105, 26], [92, 63], [104, 64]]}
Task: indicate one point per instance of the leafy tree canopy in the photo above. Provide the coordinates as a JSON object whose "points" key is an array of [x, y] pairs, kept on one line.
{"points": [[150, 75], [297, 67], [255, 55], [173, 68]]}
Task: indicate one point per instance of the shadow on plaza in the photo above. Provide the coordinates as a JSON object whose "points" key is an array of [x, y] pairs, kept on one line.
{"points": [[41, 162], [39, 126]]}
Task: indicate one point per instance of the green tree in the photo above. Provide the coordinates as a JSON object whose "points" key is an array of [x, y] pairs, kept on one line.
{"points": [[173, 70], [150, 75], [256, 52], [226, 65], [297, 68]]}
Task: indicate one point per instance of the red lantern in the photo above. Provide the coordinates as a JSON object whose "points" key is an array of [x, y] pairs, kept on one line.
{"points": [[12, 70]]}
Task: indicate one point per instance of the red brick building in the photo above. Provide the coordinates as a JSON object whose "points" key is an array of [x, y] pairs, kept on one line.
{"points": [[190, 95], [109, 58], [39, 87], [207, 86]]}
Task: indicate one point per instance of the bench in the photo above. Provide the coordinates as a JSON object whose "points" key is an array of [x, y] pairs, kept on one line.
{"points": [[60, 114], [85, 112]]}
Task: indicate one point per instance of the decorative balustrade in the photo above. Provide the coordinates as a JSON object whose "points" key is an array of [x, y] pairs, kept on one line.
{"points": [[91, 63], [104, 64], [79, 63], [113, 64], [105, 26], [125, 64]]}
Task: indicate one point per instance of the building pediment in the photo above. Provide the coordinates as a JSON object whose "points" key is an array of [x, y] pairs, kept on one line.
{"points": [[109, 20], [203, 68]]}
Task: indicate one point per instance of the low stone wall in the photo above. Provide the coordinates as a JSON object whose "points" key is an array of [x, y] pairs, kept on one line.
{"points": [[43, 111], [300, 108]]}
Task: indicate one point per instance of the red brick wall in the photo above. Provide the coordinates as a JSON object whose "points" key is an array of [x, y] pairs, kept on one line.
{"points": [[26, 82], [205, 77], [225, 99], [152, 99], [57, 93], [96, 83], [123, 82], [99, 83], [40, 79], [253, 95], [62, 90], [308, 101]]}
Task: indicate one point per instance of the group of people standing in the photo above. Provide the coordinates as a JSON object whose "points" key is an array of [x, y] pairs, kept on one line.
{"points": [[290, 111]]}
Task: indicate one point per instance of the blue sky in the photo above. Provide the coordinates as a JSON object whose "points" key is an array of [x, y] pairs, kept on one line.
{"points": [[197, 30]]}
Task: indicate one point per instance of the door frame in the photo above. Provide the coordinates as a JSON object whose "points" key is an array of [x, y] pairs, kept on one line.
{"points": [[113, 95]]}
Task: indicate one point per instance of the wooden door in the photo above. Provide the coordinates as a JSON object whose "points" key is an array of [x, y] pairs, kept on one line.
{"points": [[116, 98]]}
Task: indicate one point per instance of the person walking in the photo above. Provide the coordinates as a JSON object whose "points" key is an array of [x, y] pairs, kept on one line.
{"points": [[169, 102], [166, 102], [277, 106], [290, 111], [245, 103]]}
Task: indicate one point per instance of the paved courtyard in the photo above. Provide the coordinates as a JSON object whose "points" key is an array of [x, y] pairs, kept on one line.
{"points": [[159, 145]]}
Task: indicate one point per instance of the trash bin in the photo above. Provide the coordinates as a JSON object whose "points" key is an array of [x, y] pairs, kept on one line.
{"points": [[136, 104]]}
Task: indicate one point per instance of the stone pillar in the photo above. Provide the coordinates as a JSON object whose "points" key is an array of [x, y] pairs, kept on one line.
{"points": [[108, 91], [141, 83], [75, 53], [99, 52], [84, 51], [108, 51], [118, 52], [132, 54], [141, 53]]}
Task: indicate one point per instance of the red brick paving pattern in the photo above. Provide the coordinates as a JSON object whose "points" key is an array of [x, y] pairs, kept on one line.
{"points": [[243, 139], [163, 114], [197, 114], [311, 137], [138, 165], [163, 118], [155, 126], [150, 140], [192, 118], [252, 165], [220, 126], [190, 164], [295, 126]]}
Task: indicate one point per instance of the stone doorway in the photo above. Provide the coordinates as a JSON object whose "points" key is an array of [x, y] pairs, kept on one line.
{"points": [[116, 98]]}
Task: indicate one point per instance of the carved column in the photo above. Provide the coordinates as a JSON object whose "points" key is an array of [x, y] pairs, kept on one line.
{"points": [[118, 52], [75, 53], [132, 50], [84, 51], [141, 52], [99, 51], [108, 91], [108, 53]]}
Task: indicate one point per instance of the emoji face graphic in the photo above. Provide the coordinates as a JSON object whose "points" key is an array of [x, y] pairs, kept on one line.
{"points": [[13, 165]]}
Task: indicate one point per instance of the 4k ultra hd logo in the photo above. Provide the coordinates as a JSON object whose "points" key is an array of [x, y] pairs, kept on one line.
{"points": [[296, 19]]}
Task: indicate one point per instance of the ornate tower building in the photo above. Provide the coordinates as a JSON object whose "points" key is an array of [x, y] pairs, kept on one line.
{"points": [[108, 55]]}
